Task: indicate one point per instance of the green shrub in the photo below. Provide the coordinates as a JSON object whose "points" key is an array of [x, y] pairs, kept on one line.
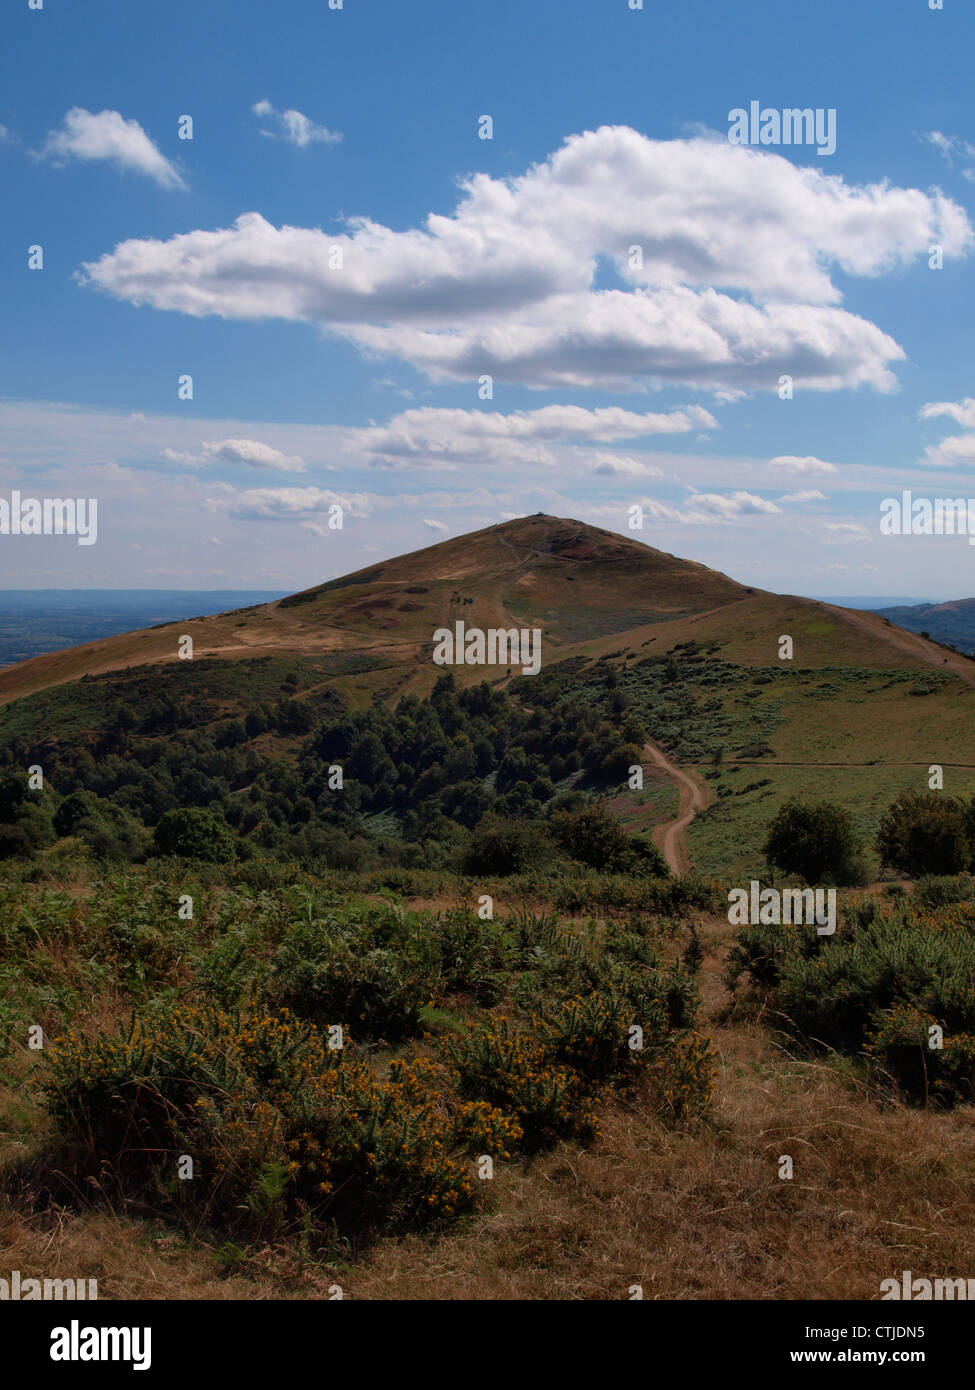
{"points": [[899, 1042], [818, 842], [923, 833], [192, 833], [501, 847], [322, 975]]}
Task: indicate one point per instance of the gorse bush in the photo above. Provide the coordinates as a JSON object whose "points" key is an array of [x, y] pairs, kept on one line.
{"points": [[900, 1042], [927, 833], [232, 1058], [250, 1098], [857, 991], [324, 976]]}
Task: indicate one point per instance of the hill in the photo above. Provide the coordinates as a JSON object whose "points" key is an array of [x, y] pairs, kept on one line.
{"points": [[574, 581], [692, 658], [35, 621], [952, 623]]}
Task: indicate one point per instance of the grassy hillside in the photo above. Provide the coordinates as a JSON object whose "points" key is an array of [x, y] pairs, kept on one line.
{"points": [[862, 708], [481, 906]]}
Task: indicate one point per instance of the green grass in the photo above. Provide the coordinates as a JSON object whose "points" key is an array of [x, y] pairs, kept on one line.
{"points": [[726, 839]]}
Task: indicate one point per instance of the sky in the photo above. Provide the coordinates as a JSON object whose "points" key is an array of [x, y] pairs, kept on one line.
{"points": [[589, 314]]}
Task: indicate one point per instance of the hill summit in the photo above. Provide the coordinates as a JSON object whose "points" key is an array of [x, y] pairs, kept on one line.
{"points": [[574, 581], [593, 594]]}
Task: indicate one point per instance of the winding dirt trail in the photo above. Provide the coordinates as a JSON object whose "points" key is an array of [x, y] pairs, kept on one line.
{"points": [[670, 836]]}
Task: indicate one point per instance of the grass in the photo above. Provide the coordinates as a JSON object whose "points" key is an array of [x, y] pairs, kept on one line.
{"points": [[688, 1213], [726, 838]]}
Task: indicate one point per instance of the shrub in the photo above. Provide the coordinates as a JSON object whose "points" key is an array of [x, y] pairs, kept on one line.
{"points": [[924, 833], [615, 767], [935, 891], [500, 847], [899, 1042], [513, 1071], [15, 843], [193, 833], [594, 837], [326, 977], [867, 989], [819, 842], [281, 1128]]}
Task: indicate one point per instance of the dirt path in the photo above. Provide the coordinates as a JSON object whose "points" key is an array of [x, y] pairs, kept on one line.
{"points": [[670, 836]]}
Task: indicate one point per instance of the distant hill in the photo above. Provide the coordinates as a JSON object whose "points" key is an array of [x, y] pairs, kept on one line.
{"points": [[951, 623], [872, 603], [35, 621]]}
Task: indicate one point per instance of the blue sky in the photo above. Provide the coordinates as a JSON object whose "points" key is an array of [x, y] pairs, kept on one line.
{"points": [[613, 385]]}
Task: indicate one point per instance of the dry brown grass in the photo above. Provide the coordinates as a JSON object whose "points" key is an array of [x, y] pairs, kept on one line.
{"points": [[877, 1188], [690, 1214]]}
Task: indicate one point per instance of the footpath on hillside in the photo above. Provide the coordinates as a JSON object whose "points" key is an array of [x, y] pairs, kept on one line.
{"points": [[671, 836]]}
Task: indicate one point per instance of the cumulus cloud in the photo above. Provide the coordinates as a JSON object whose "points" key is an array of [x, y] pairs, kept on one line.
{"points": [[962, 412], [955, 449], [434, 437], [709, 508], [286, 503], [239, 451], [804, 495], [790, 463], [725, 255], [609, 465], [737, 504], [108, 135], [435, 525], [294, 127]]}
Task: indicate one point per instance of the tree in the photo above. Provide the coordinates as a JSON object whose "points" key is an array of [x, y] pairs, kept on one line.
{"points": [[72, 810], [15, 843], [594, 837], [615, 767], [189, 832], [13, 794], [925, 833], [500, 847], [820, 842]]}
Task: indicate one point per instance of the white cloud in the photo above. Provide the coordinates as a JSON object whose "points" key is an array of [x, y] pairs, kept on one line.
{"points": [[710, 508], [838, 531], [285, 503], [805, 495], [958, 448], [294, 127], [239, 451], [432, 437], [504, 285], [962, 412], [949, 146], [435, 525], [790, 463], [108, 135], [727, 507], [610, 465]]}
